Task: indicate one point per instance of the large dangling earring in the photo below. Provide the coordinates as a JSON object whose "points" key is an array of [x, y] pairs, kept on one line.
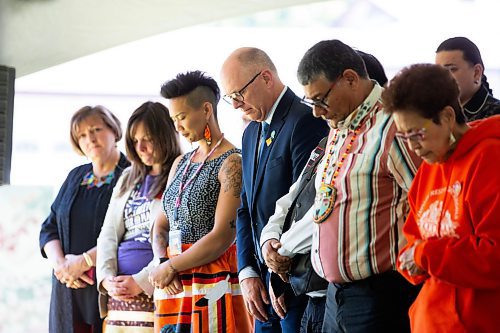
{"points": [[207, 135]]}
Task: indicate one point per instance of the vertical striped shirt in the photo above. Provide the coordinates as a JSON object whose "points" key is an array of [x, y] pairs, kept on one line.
{"points": [[363, 234]]}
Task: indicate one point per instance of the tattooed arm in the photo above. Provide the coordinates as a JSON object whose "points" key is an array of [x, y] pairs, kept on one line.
{"points": [[230, 177], [160, 235], [222, 236]]}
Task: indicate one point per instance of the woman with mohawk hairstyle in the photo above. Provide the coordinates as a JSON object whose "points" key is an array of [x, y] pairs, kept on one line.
{"points": [[197, 281]]}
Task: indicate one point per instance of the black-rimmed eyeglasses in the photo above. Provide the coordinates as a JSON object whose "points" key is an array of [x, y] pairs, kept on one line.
{"points": [[238, 95], [318, 102]]}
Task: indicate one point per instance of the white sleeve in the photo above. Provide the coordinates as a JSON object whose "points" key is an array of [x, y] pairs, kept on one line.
{"points": [[247, 272], [274, 227], [298, 239], [111, 233]]}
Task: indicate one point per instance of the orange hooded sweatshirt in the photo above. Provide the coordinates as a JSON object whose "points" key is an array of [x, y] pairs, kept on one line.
{"points": [[455, 212]]}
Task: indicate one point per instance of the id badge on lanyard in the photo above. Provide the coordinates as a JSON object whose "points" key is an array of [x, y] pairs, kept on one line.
{"points": [[175, 242]]}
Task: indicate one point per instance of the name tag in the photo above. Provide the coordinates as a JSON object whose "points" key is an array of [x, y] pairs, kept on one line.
{"points": [[175, 242]]}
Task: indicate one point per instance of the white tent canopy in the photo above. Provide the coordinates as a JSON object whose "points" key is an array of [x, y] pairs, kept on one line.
{"points": [[36, 34]]}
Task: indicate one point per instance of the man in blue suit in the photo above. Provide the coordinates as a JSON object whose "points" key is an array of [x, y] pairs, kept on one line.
{"points": [[275, 147]]}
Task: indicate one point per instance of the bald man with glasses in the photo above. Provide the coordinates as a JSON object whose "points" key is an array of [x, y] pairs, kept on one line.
{"points": [[275, 148]]}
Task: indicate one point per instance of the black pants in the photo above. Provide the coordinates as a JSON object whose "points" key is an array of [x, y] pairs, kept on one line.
{"points": [[376, 304]]}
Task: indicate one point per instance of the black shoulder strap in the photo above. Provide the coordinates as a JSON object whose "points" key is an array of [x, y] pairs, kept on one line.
{"points": [[307, 176]]}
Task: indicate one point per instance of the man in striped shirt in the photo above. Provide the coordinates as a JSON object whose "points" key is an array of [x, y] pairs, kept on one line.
{"points": [[361, 201]]}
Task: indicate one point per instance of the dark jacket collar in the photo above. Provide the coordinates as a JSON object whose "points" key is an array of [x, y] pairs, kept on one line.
{"points": [[475, 104]]}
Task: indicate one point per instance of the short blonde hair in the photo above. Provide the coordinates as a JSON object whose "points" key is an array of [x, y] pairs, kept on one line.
{"points": [[107, 117]]}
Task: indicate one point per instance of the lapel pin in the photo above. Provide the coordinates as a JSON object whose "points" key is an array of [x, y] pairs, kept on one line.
{"points": [[270, 139]]}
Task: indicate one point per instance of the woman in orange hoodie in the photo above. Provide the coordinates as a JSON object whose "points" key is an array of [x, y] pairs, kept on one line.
{"points": [[453, 228]]}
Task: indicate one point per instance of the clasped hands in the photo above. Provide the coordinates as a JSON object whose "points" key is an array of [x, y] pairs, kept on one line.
{"points": [[71, 271], [407, 261], [165, 277], [277, 263], [122, 287]]}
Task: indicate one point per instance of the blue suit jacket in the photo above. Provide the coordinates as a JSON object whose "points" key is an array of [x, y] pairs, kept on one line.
{"points": [[295, 134]]}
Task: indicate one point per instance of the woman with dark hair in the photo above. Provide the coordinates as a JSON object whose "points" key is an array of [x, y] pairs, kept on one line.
{"points": [[452, 228], [462, 57], [374, 68], [197, 280], [68, 236], [124, 253]]}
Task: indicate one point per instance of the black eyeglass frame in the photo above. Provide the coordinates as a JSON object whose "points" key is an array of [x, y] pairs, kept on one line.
{"points": [[238, 95], [319, 102]]}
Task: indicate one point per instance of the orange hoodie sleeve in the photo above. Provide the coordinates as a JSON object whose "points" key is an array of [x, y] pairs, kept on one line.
{"points": [[412, 234], [471, 261]]}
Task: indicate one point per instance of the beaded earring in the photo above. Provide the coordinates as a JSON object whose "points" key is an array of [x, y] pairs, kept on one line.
{"points": [[207, 135]]}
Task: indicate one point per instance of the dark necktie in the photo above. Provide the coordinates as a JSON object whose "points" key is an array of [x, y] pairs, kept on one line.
{"points": [[263, 134]]}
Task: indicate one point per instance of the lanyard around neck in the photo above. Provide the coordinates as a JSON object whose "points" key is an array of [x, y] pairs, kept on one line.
{"points": [[182, 185]]}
